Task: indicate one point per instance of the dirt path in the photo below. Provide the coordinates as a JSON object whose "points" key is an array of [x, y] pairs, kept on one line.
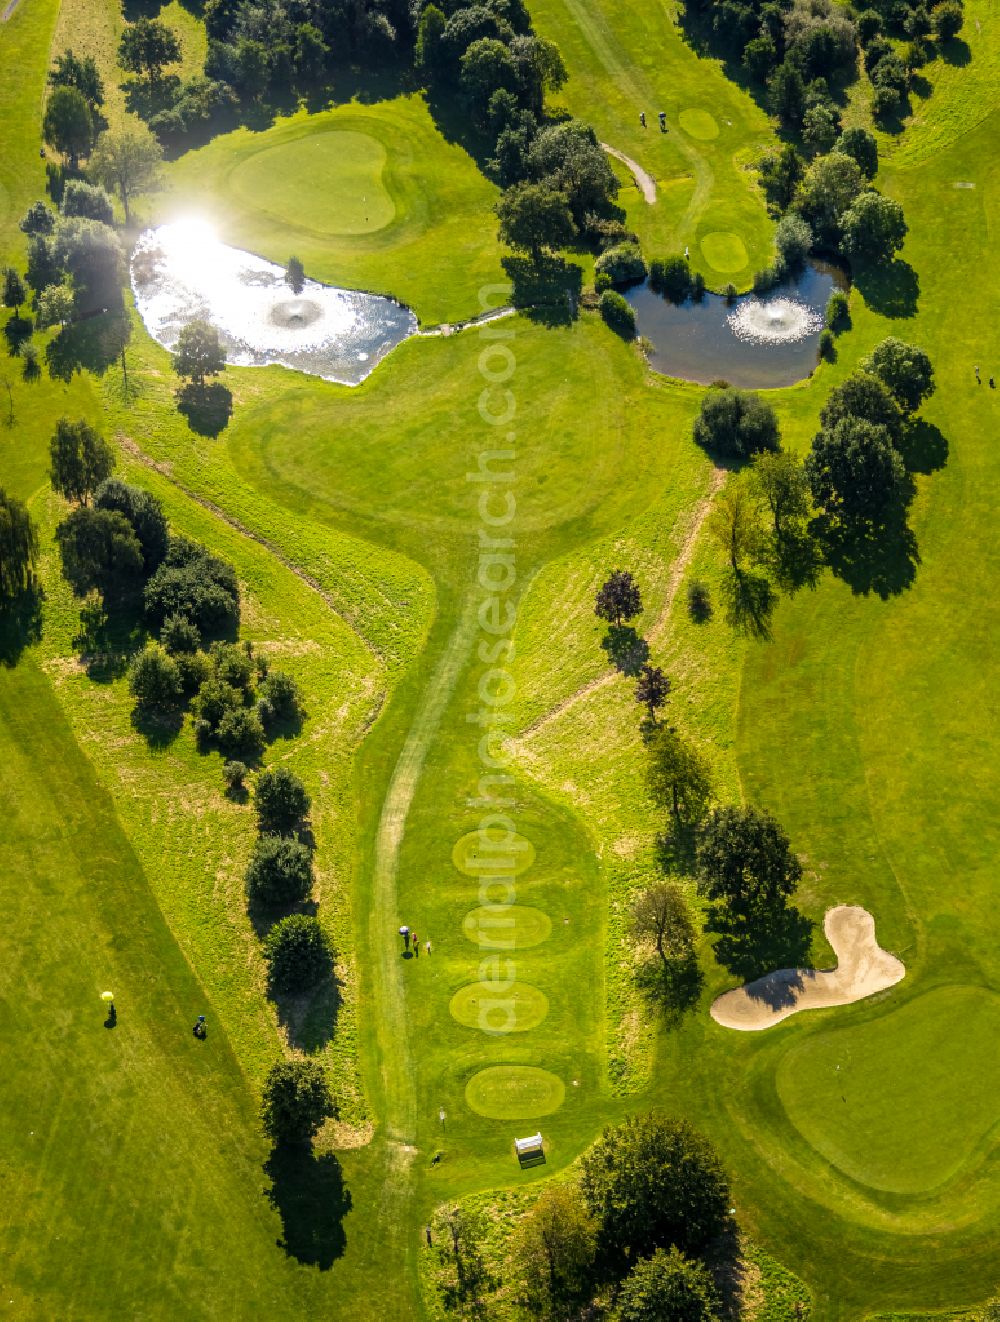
{"points": [[677, 570], [863, 968], [164, 470], [644, 180], [8, 10]]}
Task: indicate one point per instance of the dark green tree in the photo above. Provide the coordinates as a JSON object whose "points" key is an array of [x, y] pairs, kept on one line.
{"points": [[485, 67], [745, 861], [905, 370], [736, 423], [279, 872], [430, 55], [297, 1099], [779, 479], [298, 953], [80, 459], [295, 275], [154, 679], [555, 1249], [669, 1287], [14, 292], [652, 689], [862, 395], [38, 219], [787, 94], [678, 776], [99, 549], [828, 188], [569, 158], [618, 598], [873, 227], [68, 125], [281, 799], [534, 217], [198, 353], [651, 1183], [195, 584], [780, 174], [143, 511], [89, 201], [854, 471], [147, 46], [947, 20], [861, 146], [18, 546], [180, 636]]}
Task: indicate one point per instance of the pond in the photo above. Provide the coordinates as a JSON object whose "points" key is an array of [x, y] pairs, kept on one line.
{"points": [[753, 342], [181, 272]]}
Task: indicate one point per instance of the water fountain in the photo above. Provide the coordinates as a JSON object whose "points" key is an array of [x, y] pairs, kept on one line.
{"points": [[774, 320], [182, 271]]}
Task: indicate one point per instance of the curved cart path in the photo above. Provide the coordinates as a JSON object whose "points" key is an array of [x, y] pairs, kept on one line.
{"points": [[644, 180]]}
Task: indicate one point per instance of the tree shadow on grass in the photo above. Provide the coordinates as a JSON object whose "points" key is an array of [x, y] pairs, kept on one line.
{"points": [[547, 291], [146, 99], [627, 651], [91, 345], [956, 52], [206, 408], [871, 558], [779, 938], [264, 916], [159, 726], [20, 624], [17, 332], [923, 447], [309, 1194], [891, 289], [750, 603], [310, 1018], [673, 986], [797, 560]]}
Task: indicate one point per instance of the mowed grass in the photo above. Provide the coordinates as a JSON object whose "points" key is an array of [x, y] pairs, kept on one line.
{"points": [[624, 59], [367, 196], [840, 1089]]}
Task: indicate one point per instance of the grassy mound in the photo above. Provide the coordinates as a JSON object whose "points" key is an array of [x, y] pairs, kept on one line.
{"points": [[498, 925], [521, 1007], [514, 1092]]}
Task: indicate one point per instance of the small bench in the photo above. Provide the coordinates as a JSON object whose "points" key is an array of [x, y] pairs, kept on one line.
{"points": [[529, 1149]]}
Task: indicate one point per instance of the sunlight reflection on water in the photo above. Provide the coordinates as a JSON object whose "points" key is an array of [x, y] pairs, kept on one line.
{"points": [[182, 271]]}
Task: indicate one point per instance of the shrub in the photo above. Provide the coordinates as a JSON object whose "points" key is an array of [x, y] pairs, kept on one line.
{"points": [[232, 665], [179, 635], [886, 102], [234, 775], [195, 584], [699, 600], [624, 264], [668, 1287], [298, 953], [279, 872], [215, 699], [281, 800], [241, 731], [793, 239], [143, 511], [838, 312], [735, 423], [617, 313], [279, 697], [827, 345], [153, 678], [697, 287], [671, 277], [296, 1101]]}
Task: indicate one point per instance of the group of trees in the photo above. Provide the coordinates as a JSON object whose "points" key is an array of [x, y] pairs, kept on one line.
{"points": [[629, 1234]]}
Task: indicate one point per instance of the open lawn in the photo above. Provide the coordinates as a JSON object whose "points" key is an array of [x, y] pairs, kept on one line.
{"points": [[865, 723]]}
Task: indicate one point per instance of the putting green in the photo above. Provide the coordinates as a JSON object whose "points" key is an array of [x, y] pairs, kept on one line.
{"points": [[513, 1010], [860, 1098], [698, 124], [514, 1092], [507, 926], [724, 251], [327, 182], [490, 853]]}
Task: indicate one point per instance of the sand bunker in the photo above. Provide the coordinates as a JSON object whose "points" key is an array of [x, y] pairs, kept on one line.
{"points": [[863, 968]]}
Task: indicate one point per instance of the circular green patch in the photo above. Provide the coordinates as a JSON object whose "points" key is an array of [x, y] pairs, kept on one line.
{"points": [[903, 1102], [724, 251], [493, 853], [516, 1009], [506, 926], [331, 183], [698, 124], [514, 1092]]}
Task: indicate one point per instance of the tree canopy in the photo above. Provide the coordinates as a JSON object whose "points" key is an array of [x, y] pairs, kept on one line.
{"points": [[735, 424], [863, 395], [660, 914], [195, 584], [198, 353], [68, 124], [778, 477], [854, 471], [99, 549], [652, 1183], [905, 370], [143, 511], [147, 46], [555, 1249], [80, 459], [154, 679], [533, 217], [618, 598], [281, 800], [18, 546], [669, 1287], [677, 776], [298, 953], [745, 861], [279, 872], [296, 1101], [126, 161], [828, 188], [873, 228]]}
